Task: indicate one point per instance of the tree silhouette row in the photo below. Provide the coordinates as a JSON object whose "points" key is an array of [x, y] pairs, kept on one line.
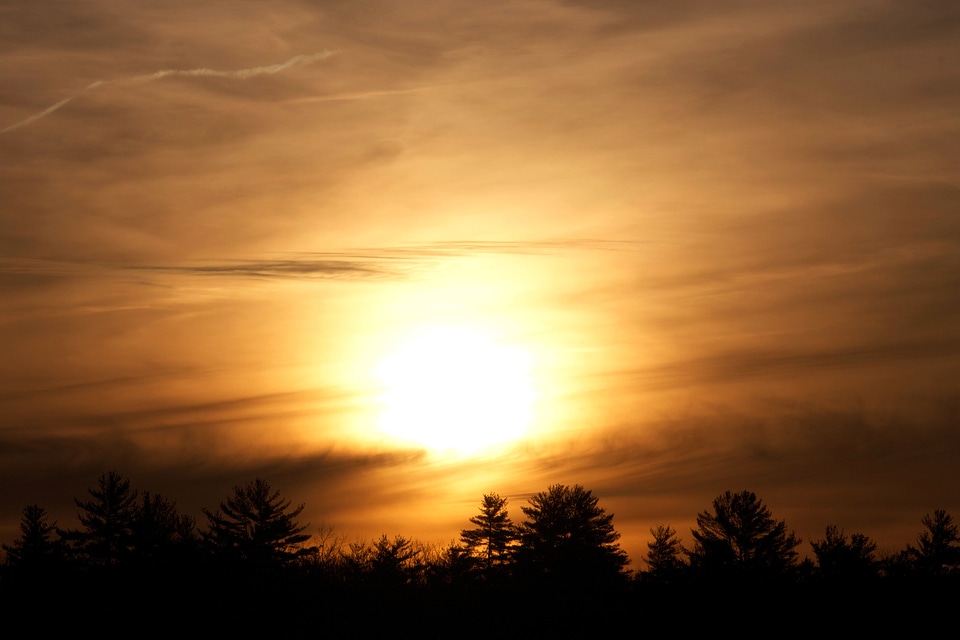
{"points": [[252, 552]]}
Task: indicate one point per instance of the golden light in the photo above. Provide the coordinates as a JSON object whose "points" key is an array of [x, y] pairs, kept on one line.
{"points": [[454, 389]]}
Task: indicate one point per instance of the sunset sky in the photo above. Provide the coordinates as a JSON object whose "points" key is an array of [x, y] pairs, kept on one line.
{"points": [[706, 245]]}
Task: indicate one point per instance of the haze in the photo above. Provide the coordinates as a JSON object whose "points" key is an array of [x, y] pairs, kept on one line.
{"points": [[727, 235]]}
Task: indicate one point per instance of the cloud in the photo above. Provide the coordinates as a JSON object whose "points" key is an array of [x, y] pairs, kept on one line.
{"points": [[236, 74], [374, 262], [240, 74], [748, 364], [359, 95], [293, 268]]}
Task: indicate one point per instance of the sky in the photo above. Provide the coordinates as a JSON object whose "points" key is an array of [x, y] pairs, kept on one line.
{"points": [[719, 242]]}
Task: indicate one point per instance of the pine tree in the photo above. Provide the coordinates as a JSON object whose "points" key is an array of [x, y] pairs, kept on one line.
{"points": [[256, 525], [938, 547], [159, 531], [840, 559], [492, 540], [394, 563], [35, 549], [567, 538], [741, 538], [108, 520], [664, 553]]}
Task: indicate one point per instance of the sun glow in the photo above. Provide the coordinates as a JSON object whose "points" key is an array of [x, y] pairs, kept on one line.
{"points": [[455, 390]]}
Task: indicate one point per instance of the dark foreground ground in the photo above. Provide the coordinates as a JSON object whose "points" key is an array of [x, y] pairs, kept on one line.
{"points": [[120, 604]]}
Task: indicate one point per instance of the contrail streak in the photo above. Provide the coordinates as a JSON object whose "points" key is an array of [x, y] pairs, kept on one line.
{"points": [[362, 95], [239, 74]]}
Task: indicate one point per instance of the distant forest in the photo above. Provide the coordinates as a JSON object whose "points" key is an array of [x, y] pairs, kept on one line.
{"points": [[135, 563]]}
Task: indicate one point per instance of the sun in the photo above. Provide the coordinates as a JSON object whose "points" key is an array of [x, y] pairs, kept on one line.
{"points": [[456, 390]]}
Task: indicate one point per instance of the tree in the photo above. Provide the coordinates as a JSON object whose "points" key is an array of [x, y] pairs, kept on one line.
{"points": [[568, 538], [491, 541], [839, 559], [394, 562], [108, 520], [35, 549], [159, 530], [450, 566], [663, 555], [938, 548], [386, 564], [741, 537], [256, 525], [327, 553]]}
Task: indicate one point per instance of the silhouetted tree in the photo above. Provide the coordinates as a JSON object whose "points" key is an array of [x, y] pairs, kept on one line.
{"points": [[108, 520], [663, 557], [450, 566], [897, 565], [840, 559], [35, 549], [568, 538], [491, 541], [326, 556], [386, 563], [356, 560], [159, 531], [740, 537], [256, 525], [938, 548], [395, 561]]}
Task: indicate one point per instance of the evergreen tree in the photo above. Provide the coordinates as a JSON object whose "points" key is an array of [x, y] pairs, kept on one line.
{"points": [[741, 538], [108, 520], [256, 525], [492, 539], [938, 547], [159, 531], [35, 549], [394, 563], [568, 538], [840, 559], [664, 553], [451, 566]]}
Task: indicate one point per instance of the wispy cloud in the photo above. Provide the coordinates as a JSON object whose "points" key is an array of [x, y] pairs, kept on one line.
{"points": [[371, 262], [236, 74], [302, 267], [752, 364], [359, 95]]}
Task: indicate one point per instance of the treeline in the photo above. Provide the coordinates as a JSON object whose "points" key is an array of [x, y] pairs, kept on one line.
{"points": [[252, 557]]}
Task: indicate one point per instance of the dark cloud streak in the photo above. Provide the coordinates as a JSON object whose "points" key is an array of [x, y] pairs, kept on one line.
{"points": [[395, 261]]}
